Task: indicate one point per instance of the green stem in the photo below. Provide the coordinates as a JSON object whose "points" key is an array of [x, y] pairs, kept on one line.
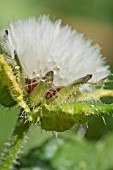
{"points": [[11, 152]]}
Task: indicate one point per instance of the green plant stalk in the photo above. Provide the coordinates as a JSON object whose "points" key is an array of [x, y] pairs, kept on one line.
{"points": [[12, 151]]}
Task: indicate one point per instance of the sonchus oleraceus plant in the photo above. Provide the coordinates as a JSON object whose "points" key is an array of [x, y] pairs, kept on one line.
{"points": [[52, 73]]}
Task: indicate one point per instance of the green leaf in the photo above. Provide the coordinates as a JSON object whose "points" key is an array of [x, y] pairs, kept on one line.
{"points": [[63, 117], [5, 97]]}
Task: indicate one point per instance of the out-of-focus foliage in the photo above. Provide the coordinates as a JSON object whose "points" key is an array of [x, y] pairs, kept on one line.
{"points": [[71, 153], [96, 9]]}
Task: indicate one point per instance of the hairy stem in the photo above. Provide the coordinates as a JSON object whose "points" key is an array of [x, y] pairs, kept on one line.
{"points": [[13, 149]]}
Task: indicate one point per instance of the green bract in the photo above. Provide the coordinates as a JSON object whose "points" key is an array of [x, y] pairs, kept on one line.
{"points": [[60, 113]]}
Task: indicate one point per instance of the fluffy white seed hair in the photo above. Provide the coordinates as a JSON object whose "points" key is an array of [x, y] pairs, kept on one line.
{"points": [[43, 45]]}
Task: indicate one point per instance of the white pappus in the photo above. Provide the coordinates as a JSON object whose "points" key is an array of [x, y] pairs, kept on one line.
{"points": [[43, 45]]}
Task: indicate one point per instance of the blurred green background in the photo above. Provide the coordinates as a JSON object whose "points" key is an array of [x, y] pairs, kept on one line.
{"points": [[95, 19]]}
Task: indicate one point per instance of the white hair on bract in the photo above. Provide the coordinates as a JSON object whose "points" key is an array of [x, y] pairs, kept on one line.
{"points": [[43, 45]]}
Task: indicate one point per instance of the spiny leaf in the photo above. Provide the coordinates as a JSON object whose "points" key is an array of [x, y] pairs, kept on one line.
{"points": [[63, 117], [9, 80]]}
